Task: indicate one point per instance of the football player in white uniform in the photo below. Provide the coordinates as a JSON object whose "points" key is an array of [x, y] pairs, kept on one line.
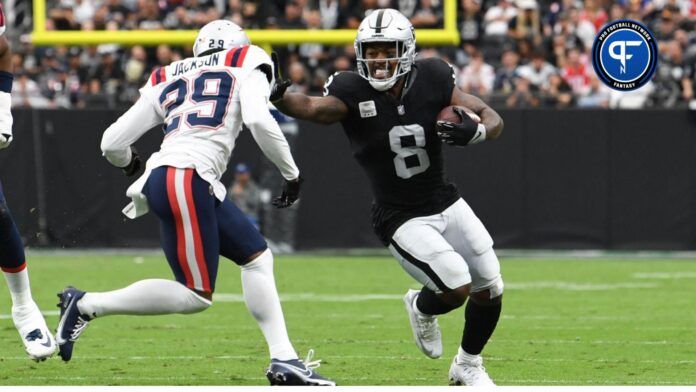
{"points": [[37, 338], [389, 111], [202, 102]]}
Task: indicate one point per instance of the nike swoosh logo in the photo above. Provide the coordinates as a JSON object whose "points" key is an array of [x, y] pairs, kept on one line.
{"points": [[59, 330], [478, 133], [304, 372], [48, 342]]}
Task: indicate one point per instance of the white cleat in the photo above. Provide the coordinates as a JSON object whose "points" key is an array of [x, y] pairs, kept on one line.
{"points": [[426, 331], [470, 373], [38, 341]]}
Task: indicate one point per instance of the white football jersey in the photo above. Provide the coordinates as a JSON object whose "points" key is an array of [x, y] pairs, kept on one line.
{"points": [[199, 101]]}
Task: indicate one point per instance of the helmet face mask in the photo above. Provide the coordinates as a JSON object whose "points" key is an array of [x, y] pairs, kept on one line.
{"points": [[385, 48], [219, 35]]}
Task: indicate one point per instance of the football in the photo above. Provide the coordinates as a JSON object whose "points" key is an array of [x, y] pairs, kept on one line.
{"points": [[448, 114]]}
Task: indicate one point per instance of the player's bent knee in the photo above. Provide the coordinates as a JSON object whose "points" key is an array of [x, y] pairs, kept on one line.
{"points": [[458, 296], [492, 295], [198, 301]]}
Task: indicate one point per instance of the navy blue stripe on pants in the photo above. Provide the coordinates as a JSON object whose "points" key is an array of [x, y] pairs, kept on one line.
{"points": [[196, 228], [12, 257]]}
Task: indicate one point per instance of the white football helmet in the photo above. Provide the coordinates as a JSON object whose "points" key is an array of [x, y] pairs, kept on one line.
{"points": [[386, 25], [219, 34]]}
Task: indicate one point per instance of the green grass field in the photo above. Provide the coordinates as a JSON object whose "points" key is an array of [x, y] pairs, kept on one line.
{"points": [[565, 322]]}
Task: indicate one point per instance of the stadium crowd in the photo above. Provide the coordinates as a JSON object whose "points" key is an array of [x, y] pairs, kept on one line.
{"points": [[514, 53]]}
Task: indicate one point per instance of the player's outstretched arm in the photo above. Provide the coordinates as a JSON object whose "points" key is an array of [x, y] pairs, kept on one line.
{"points": [[489, 117], [118, 138], [325, 110]]}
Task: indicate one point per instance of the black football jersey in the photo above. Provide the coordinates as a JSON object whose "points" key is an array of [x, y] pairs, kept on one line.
{"points": [[395, 141]]}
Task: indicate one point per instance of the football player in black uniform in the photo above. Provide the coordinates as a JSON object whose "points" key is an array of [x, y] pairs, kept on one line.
{"points": [[389, 112]]}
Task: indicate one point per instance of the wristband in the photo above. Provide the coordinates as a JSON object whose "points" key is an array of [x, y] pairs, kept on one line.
{"points": [[480, 135]]}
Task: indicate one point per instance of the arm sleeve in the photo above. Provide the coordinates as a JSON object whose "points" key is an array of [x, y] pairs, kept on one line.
{"points": [[253, 96], [444, 78], [337, 85], [133, 124]]}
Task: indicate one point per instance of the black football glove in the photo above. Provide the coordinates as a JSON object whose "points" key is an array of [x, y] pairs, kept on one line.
{"points": [[134, 165], [280, 85], [291, 191], [459, 134]]}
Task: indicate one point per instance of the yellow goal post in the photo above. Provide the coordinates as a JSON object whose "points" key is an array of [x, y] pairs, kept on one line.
{"points": [[448, 35]]}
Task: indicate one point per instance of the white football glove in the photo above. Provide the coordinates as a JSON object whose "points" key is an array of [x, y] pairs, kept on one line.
{"points": [[5, 140]]}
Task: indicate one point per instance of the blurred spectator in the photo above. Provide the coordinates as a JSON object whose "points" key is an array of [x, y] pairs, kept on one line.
{"points": [[526, 25], [330, 13], [576, 72], [245, 194], [522, 97], [538, 71], [558, 94], [597, 96], [594, 13], [673, 79], [498, 17], [293, 16], [506, 75], [299, 77], [471, 21], [428, 14], [26, 92], [477, 77]]}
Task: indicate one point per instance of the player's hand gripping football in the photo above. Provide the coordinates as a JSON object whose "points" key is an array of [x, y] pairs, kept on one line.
{"points": [[465, 133], [134, 165], [280, 85], [291, 192], [5, 140]]}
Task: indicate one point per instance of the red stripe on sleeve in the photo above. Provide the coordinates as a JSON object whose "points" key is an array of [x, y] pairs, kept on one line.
{"points": [[242, 55], [228, 58], [163, 74], [153, 78]]}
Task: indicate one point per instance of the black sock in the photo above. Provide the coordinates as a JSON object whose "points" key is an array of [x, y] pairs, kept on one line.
{"points": [[429, 303], [479, 326]]}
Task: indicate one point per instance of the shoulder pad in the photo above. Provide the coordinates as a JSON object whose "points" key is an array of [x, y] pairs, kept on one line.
{"points": [[344, 83], [159, 75], [250, 57]]}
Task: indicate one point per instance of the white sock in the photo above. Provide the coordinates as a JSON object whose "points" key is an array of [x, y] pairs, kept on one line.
{"points": [[145, 297], [262, 300], [18, 283], [463, 356]]}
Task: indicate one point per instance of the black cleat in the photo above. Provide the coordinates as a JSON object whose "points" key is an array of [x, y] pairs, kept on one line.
{"points": [[296, 372], [71, 323]]}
